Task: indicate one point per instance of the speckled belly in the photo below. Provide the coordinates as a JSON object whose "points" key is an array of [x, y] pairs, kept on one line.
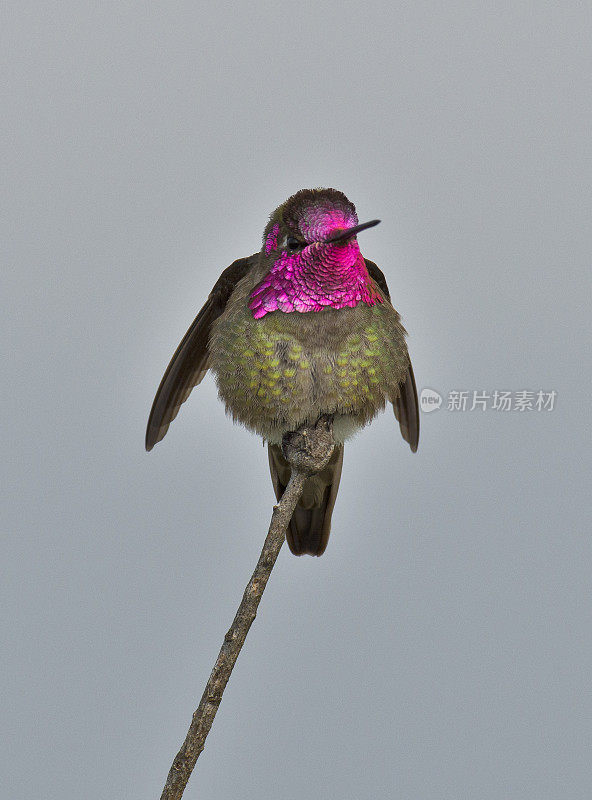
{"points": [[278, 372]]}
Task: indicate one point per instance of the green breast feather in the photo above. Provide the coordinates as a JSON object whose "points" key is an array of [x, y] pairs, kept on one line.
{"points": [[277, 372]]}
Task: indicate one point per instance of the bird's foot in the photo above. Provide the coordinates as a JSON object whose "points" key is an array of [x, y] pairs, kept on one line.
{"points": [[309, 448]]}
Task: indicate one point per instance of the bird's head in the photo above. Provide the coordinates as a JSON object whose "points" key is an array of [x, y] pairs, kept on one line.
{"points": [[312, 256], [315, 225]]}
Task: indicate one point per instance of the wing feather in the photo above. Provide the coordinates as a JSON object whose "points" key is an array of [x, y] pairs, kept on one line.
{"points": [[189, 364], [405, 406]]}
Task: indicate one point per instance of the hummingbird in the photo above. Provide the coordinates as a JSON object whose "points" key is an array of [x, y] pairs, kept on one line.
{"points": [[303, 328]]}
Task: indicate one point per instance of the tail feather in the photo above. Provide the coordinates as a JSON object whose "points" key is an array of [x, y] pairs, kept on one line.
{"points": [[309, 528]]}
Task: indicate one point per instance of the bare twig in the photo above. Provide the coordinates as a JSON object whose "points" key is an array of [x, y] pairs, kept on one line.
{"points": [[307, 450]]}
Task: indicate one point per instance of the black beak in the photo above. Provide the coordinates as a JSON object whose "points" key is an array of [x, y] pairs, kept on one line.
{"points": [[347, 233]]}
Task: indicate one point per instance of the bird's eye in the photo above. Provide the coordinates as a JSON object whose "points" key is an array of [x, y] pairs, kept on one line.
{"points": [[294, 244]]}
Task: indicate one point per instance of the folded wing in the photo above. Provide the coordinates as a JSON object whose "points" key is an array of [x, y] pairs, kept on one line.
{"points": [[405, 406]]}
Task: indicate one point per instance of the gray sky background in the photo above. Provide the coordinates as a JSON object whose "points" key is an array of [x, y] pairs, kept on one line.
{"points": [[441, 648]]}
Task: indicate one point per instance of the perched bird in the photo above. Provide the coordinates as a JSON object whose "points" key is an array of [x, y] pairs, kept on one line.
{"points": [[303, 328]]}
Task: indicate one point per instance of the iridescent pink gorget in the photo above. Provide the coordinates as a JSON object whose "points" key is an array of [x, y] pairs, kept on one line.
{"points": [[322, 274]]}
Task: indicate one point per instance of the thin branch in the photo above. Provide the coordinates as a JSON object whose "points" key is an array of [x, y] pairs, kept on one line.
{"points": [[308, 451]]}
